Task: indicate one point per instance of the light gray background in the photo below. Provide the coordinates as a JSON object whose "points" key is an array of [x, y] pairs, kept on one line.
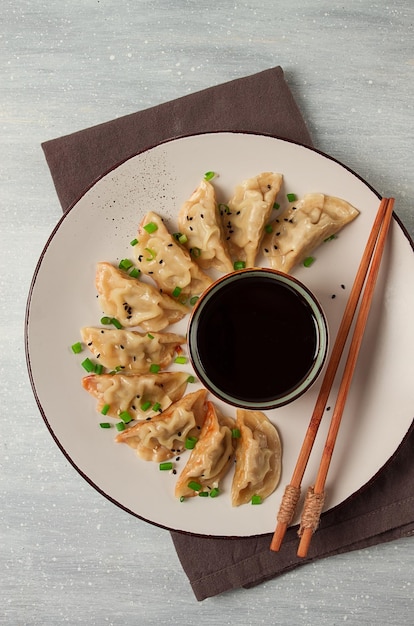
{"points": [[67, 556]]}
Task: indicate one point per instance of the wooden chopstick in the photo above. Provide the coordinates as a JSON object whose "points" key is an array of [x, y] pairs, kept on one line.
{"points": [[292, 491], [318, 489]]}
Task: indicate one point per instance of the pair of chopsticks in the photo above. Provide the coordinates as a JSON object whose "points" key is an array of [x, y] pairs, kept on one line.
{"points": [[367, 274]]}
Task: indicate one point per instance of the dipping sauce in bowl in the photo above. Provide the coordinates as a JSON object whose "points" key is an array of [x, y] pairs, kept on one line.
{"points": [[257, 338]]}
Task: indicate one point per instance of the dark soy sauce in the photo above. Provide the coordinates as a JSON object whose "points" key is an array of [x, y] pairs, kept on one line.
{"points": [[257, 339]]}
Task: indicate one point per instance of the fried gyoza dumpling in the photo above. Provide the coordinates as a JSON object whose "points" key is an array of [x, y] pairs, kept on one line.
{"points": [[134, 302], [258, 457], [140, 395], [199, 220], [164, 435], [211, 457], [166, 261], [130, 350], [303, 226], [248, 213]]}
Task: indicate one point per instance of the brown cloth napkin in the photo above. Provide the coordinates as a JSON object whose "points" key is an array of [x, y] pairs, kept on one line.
{"points": [[380, 511]]}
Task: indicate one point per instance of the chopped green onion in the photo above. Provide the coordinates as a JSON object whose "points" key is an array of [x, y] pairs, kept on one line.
{"points": [[268, 228], [196, 252], [214, 492], [105, 409], [133, 242], [209, 175], [176, 292], [166, 466], [194, 486], [156, 407], [225, 208], [239, 265], [135, 272], [125, 417], [120, 426], [155, 368], [190, 443], [145, 405], [291, 197], [105, 425], [152, 254], [180, 237], [180, 359], [182, 498], [256, 499], [194, 299], [77, 347], [106, 320], [125, 264], [308, 261], [191, 379], [88, 365], [150, 336], [276, 206], [203, 494], [151, 227], [116, 323], [330, 238], [235, 433], [98, 369]]}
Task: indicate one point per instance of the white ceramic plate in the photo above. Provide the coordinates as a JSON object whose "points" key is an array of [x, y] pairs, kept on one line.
{"points": [[99, 228]]}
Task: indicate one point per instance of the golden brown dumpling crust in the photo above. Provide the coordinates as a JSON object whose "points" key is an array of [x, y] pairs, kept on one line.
{"points": [[164, 435], [247, 215], [212, 456], [134, 302], [130, 350], [303, 226], [168, 263], [258, 457], [132, 392], [199, 220]]}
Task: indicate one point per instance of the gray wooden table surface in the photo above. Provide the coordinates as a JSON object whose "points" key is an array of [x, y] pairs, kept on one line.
{"points": [[68, 556]]}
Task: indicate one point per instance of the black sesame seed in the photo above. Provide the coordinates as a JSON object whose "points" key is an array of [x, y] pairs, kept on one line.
{"points": [[333, 296], [343, 286], [266, 250]]}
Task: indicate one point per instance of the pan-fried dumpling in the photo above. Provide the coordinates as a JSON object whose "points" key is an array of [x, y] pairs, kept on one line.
{"points": [[258, 457], [211, 457], [199, 220], [130, 350], [169, 264], [248, 213], [303, 226], [164, 435], [134, 302], [140, 395]]}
